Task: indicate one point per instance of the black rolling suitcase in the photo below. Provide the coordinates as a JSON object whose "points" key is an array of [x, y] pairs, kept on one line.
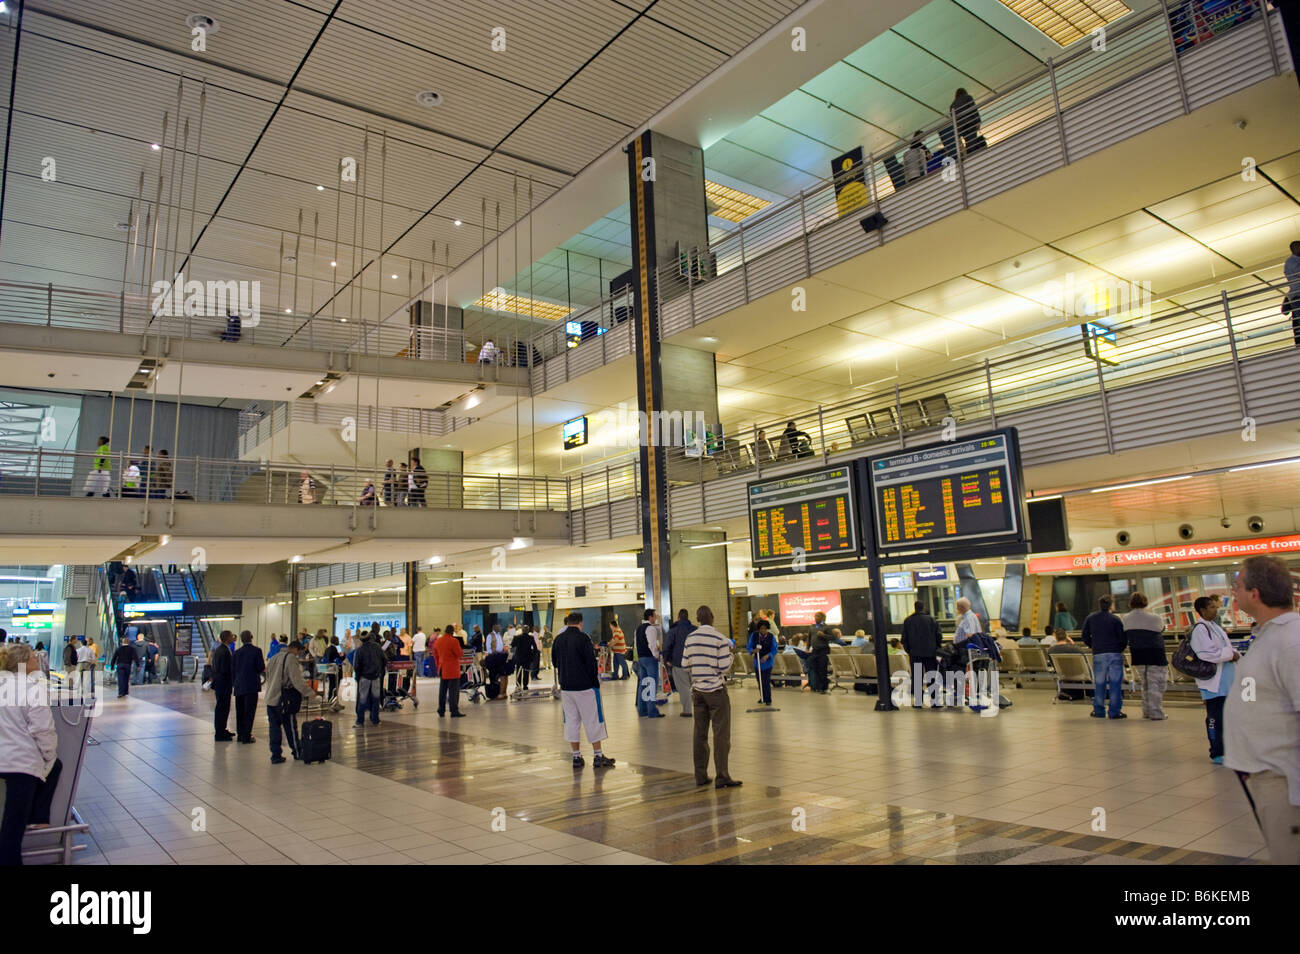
{"points": [[316, 741]]}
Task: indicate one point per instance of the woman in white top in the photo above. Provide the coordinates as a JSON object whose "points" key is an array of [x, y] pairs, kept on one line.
{"points": [[1211, 644], [28, 746]]}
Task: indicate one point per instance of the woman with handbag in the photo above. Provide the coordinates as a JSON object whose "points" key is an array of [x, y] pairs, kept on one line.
{"points": [[1211, 645]]}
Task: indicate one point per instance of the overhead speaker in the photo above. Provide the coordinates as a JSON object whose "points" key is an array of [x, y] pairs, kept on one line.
{"points": [[1186, 531], [1256, 524], [873, 222], [1123, 538], [579, 592]]}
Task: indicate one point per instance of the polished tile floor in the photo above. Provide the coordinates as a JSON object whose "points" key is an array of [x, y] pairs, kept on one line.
{"points": [[827, 779]]}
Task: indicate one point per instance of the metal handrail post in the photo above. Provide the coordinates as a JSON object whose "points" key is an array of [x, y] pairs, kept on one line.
{"points": [[758, 457], [49, 304], [744, 270], [36, 489], [898, 411], [1056, 106], [821, 432], [803, 232], [609, 503], [500, 506], [959, 146], [1236, 362], [1173, 50], [988, 383]]}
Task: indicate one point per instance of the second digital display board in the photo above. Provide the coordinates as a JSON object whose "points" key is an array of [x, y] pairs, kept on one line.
{"points": [[965, 492], [809, 515]]}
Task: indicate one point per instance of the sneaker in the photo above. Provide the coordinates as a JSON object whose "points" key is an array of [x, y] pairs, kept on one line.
{"points": [[1216, 759], [578, 760], [1118, 715], [601, 760]]}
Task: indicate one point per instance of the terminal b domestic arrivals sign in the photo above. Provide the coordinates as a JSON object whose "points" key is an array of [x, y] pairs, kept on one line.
{"points": [[1100, 560]]}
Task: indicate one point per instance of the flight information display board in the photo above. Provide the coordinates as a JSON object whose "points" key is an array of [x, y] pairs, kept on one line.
{"points": [[959, 493], [809, 516]]}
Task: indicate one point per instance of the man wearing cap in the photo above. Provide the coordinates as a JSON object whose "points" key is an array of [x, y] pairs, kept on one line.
{"points": [[575, 667]]}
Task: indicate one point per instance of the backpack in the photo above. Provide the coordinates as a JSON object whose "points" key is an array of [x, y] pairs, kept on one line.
{"points": [[1185, 660]]}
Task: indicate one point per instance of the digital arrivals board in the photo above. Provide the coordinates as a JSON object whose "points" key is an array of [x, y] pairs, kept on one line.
{"points": [[810, 515], [961, 493]]}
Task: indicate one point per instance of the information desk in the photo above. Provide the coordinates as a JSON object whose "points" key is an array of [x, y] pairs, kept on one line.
{"points": [[809, 515], [963, 492]]}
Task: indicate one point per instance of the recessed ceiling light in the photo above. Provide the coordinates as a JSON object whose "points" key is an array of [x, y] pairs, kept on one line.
{"points": [[334, 264], [320, 188], [154, 146], [196, 20], [123, 226], [428, 98], [288, 311], [457, 222], [394, 274]]}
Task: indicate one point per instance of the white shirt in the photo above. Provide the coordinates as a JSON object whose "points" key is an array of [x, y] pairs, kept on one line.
{"points": [[1211, 643], [967, 626], [652, 639], [419, 641], [28, 742], [84, 655], [1264, 733], [495, 642]]}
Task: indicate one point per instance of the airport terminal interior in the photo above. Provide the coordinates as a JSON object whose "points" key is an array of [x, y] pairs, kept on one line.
{"points": [[903, 347]]}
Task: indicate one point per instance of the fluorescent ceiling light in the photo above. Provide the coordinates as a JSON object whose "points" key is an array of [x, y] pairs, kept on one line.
{"points": [[522, 305], [731, 204], [1065, 21], [518, 543], [721, 543], [1140, 483], [1270, 463]]}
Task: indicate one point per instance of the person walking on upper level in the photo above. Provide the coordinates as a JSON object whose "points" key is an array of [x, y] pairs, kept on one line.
{"points": [[968, 119], [916, 158], [488, 353], [1291, 303], [417, 484], [390, 482], [708, 655], [1263, 731], [100, 477], [306, 489], [1144, 632], [1211, 644], [1103, 633], [646, 667]]}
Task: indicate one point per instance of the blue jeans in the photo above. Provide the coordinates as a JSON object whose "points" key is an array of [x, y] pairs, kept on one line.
{"points": [[369, 692], [1107, 677], [620, 666], [647, 668]]}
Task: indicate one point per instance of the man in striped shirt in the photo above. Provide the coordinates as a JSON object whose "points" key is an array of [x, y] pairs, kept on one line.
{"points": [[708, 657]]}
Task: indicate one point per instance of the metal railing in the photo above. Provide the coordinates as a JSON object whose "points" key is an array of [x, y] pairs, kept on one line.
{"points": [[42, 473], [956, 152]]}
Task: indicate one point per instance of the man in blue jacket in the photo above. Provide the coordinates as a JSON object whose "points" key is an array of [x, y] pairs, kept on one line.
{"points": [[762, 646], [248, 667], [1103, 633], [671, 651]]}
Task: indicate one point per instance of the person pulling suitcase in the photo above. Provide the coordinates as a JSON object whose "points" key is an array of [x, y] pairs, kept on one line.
{"points": [[286, 686]]}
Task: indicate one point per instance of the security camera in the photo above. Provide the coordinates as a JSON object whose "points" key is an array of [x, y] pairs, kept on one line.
{"points": [[1186, 531], [1255, 523], [1225, 523], [1123, 538]]}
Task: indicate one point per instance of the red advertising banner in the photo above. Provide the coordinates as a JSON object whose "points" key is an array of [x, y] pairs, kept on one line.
{"points": [[797, 609], [1100, 560]]}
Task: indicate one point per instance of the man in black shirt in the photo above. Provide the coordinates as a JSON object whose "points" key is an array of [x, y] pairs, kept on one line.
{"points": [[921, 638], [123, 660], [575, 668]]}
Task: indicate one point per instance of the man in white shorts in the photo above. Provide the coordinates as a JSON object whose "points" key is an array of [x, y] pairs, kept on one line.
{"points": [[575, 665]]}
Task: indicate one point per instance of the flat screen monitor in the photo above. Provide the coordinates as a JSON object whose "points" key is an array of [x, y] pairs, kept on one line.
{"points": [[900, 582], [575, 433], [949, 496], [808, 516]]}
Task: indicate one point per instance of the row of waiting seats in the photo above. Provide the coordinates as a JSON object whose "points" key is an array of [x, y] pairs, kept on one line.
{"points": [[846, 667]]}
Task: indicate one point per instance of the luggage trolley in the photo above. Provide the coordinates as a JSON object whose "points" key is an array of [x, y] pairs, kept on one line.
{"points": [[321, 679], [471, 677]]}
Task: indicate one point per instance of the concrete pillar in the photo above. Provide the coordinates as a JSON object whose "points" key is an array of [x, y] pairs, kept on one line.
{"points": [[699, 576], [670, 237], [440, 341], [438, 603]]}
